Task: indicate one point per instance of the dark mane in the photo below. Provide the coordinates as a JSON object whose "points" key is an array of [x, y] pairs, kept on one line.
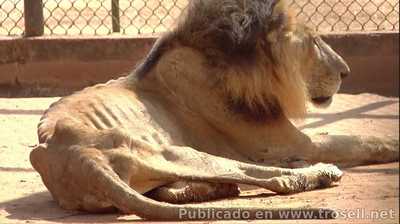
{"points": [[231, 27], [222, 29], [256, 113], [160, 46]]}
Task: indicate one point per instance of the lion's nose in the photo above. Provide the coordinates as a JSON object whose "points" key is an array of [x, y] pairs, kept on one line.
{"points": [[344, 75], [344, 70]]}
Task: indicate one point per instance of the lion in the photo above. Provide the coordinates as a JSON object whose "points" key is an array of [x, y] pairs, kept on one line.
{"points": [[209, 108]]}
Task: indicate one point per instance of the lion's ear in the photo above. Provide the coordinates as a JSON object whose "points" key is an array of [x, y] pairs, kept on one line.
{"points": [[238, 26]]}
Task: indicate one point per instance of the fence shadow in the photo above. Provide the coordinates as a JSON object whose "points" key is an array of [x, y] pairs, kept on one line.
{"points": [[356, 113]]}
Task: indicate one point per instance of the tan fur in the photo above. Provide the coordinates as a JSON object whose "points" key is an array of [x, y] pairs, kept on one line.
{"points": [[209, 108]]}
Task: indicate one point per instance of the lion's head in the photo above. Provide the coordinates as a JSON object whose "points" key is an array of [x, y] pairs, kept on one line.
{"points": [[320, 67], [267, 63]]}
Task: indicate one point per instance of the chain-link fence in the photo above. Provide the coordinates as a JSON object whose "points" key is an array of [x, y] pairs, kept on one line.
{"points": [[97, 16], [11, 17], [133, 17]]}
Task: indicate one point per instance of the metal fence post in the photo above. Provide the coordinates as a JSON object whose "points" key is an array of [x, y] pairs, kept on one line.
{"points": [[115, 16], [33, 16]]}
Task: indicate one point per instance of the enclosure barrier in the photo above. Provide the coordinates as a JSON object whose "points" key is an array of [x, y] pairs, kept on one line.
{"points": [[136, 17]]}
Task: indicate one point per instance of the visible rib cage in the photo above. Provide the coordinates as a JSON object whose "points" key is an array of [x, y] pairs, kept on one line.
{"points": [[97, 111]]}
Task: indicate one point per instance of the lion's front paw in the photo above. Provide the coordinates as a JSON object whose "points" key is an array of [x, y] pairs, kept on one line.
{"points": [[381, 150], [355, 150]]}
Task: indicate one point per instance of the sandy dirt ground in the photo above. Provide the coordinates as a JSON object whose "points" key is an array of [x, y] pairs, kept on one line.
{"points": [[366, 194]]}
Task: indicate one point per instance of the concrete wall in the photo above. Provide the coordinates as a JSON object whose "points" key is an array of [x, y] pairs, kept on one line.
{"points": [[72, 63]]}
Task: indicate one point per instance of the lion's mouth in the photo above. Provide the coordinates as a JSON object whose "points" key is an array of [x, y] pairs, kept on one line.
{"points": [[322, 101]]}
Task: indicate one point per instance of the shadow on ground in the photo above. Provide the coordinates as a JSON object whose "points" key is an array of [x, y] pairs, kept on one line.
{"points": [[388, 171], [359, 112], [41, 206]]}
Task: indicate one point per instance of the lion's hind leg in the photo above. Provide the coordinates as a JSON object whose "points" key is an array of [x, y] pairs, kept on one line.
{"points": [[186, 163]]}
